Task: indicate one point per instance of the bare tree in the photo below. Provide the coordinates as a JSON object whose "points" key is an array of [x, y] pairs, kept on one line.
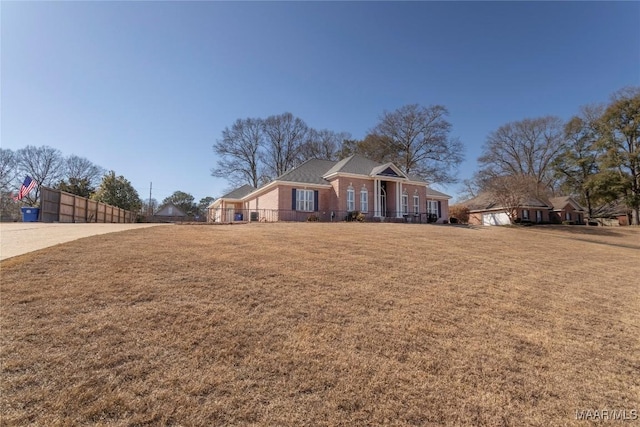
{"points": [[239, 150], [7, 169], [527, 147], [8, 208], [512, 192], [620, 126], [323, 144], [44, 164], [149, 207], [418, 139], [374, 147], [577, 164], [80, 168], [284, 137]]}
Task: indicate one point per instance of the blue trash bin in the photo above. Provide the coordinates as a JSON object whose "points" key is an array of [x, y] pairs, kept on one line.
{"points": [[237, 217], [30, 214]]}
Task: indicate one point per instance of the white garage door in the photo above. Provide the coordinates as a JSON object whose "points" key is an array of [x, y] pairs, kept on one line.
{"points": [[495, 218]]}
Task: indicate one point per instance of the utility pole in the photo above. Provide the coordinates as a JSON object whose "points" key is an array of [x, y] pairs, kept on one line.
{"points": [[150, 207]]}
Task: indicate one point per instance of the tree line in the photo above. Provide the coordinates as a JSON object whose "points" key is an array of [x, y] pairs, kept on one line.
{"points": [[416, 138], [73, 174], [594, 156], [79, 176]]}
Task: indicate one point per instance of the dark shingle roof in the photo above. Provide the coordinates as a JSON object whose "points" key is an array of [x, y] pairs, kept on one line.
{"points": [[310, 172], [355, 164], [239, 192], [435, 193], [561, 202], [485, 201]]}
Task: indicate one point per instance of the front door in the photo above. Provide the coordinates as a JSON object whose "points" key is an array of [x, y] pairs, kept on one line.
{"points": [[383, 202]]}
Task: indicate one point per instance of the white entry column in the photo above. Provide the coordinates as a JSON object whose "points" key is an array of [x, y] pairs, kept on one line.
{"points": [[398, 199], [376, 197]]}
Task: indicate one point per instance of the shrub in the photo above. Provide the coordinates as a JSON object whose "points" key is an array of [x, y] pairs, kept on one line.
{"points": [[354, 216], [313, 218], [453, 220], [360, 217], [460, 213]]}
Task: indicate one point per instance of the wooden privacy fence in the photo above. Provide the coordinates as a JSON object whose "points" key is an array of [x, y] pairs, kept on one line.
{"points": [[60, 206]]}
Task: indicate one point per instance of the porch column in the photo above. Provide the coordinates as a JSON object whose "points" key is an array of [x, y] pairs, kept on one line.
{"points": [[376, 197], [398, 199]]}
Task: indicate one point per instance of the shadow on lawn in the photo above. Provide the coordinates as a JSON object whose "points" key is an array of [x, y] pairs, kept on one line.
{"points": [[583, 233]]}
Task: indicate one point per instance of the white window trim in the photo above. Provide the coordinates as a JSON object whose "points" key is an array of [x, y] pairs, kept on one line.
{"points": [[416, 204], [351, 199], [364, 201], [304, 200], [432, 207], [405, 204]]}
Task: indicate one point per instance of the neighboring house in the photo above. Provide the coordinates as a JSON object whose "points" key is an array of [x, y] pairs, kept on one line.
{"points": [[229, 207], [566, 209], [616, 213], [330, 191], [169, 213], [484, 210]]}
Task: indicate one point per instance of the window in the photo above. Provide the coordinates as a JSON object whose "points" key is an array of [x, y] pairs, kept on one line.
{"points": [[568, 216], [525, 214], [351, 199], [304, 200], [538, 216], [432, 207], [364, 200], [405, 203], [416, 204]]}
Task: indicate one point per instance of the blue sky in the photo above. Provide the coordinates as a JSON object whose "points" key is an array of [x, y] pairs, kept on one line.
{"points": [[145, 88]]}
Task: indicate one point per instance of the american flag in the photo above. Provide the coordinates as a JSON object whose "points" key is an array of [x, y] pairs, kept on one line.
{"points": [[28, 185]]}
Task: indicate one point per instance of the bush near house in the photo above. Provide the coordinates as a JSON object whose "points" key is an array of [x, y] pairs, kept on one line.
{"points": [[355, 216], [460, 213]]}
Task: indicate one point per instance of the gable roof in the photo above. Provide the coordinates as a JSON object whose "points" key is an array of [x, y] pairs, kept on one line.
{"points": [[559, 203], [485, 201], [238, 193], [359, 165], [175, 211], [434, 193], [310, 172]]}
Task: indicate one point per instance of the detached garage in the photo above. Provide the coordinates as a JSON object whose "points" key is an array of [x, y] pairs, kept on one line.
{"points": [[495, 218]]}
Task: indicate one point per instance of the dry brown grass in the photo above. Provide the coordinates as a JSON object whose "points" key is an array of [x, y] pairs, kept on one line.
{"points": [[322, 324]]}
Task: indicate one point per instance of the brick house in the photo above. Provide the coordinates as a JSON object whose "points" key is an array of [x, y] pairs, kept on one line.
{"points": [[484, 210], [566, 209], [330, 191], [229, 207]]}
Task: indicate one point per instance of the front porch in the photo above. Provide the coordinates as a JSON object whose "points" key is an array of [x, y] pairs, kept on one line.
{"points": [[390, 200]]}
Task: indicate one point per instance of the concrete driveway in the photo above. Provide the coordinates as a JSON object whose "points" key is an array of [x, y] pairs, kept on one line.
{"points": [[17, 238]]}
